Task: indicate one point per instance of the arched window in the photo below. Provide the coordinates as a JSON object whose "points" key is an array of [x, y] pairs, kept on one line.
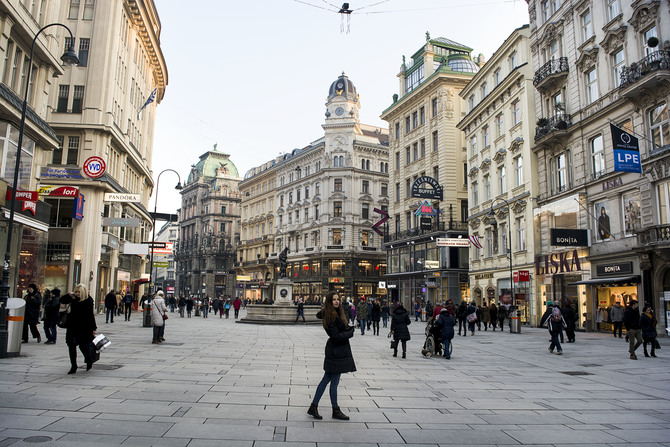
{"points": [[367, 165], [362, 164], [336, 161], [341, 161]]}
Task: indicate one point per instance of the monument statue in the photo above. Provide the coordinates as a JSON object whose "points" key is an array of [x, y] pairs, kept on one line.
{"points": [[283, 262]]}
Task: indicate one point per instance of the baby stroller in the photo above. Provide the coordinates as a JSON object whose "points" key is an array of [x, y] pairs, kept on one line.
{"points": [[433, 344]]}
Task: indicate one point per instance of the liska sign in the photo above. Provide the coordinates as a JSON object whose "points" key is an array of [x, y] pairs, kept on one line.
{"points": [[554, 263]]}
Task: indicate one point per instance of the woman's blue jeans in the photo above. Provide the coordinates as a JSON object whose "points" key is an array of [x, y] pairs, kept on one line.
{"points": [[334, 380]]}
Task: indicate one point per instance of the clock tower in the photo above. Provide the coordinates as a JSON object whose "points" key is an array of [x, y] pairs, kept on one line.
{"points": [[342, 125]]}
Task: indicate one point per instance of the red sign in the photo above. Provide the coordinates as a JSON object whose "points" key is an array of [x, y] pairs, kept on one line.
{"points": [[29, 196], [58, 191], [30, 206], [522, 276], [94, 167]]}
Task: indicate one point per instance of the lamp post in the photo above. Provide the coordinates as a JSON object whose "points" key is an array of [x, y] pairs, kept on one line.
{"points": [[509, 228], [69, 58], [153, 219]]}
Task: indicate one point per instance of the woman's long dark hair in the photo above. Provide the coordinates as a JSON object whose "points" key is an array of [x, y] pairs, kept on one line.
{"points": [[330, 313]]}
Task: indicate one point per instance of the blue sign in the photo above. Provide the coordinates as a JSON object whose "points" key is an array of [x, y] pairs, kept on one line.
{"points": [[78, 212], [626, 151]]}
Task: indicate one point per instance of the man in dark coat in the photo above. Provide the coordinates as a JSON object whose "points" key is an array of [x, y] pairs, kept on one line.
{"points": [[461, 314], [570, 321], [631, 319], [32, 315], [493, 315], [399, 322], [375, 316], [110, 305], [128, 304], [446, 322], [51, 310]]}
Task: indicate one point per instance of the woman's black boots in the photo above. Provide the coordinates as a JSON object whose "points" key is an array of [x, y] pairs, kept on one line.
{"points": [[314, 411], [337, 414]]}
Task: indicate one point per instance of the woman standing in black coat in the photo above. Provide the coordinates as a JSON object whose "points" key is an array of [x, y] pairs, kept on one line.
{"points": [[81, 325], [33, 305], [570, 324], [338, 358], [399, 322]]}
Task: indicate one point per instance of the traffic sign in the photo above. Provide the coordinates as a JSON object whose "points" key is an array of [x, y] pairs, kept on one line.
{"points": [[94, 167]]}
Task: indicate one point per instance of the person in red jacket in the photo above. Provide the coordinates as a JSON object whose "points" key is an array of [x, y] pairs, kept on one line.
{"points": [[236, 305]]}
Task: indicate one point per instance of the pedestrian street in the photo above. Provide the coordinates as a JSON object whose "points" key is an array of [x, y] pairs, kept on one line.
{"points": [[214, 382]]}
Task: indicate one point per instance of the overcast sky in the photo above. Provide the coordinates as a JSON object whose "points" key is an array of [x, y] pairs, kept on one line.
{"points": [[253, 76]]}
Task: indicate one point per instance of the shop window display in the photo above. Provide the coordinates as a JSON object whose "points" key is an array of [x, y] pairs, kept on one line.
{"points": [[607, 296]]}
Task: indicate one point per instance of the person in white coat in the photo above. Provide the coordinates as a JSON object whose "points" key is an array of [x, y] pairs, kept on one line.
{"points": [[158, 316]]}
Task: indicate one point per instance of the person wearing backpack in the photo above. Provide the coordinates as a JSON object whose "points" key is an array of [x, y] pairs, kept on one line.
{"points": [[555, 323], [128, 304]]}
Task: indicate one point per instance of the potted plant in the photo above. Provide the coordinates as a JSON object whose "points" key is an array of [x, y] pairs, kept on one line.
{"points": [[542, 122]]}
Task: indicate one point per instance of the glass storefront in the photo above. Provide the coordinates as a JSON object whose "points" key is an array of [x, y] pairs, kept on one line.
{"points": [[606, 296], [32, 259]]}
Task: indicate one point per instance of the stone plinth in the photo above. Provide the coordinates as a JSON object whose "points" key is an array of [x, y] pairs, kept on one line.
{"points": [[278, 314]]}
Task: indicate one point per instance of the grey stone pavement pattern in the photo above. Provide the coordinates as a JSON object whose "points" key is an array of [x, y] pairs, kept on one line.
{"points": [[217, 383]]}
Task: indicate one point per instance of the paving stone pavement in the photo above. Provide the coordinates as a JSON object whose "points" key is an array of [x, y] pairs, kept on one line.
{"points": [[217, 383]]}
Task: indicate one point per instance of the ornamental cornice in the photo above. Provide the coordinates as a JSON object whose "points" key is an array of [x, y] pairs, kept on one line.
{"points": [[587, 60], [519, 206], [486, 164], [473, 172], [499, 157], [644, 15], [516, 145], [552, 32], [474, 223], [614, 39]]}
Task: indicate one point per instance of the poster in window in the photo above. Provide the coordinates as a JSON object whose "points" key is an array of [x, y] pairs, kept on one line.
{"points": [[603, 226], [631, 212]]}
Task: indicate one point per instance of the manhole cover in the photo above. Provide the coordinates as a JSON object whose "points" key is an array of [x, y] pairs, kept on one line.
{"points": [[590, 365], [104, 367], [576, 373], [37, 439]]}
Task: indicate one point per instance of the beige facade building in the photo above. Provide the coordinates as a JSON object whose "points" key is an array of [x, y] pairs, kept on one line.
{"points": [[502, 174], [93, 109], [426, 148], [20, 22], [596, 64]]}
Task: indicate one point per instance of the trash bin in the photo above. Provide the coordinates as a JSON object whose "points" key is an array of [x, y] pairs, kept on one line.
{"points": [[16, 310], [146, 316], [515, 323]]}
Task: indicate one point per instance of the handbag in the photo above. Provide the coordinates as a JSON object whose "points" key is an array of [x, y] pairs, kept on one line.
{"points": [[165, 317], [92, 355], [472, 317], [394, 344], [63, 318]]}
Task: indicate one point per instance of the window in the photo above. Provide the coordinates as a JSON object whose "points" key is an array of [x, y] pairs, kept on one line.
{"points": [[516, 112], [281, 201], [297, 195], [434, 106], [316, 212], [651, 32], [520, 234], [587, 25], [518, 171], [408, 220], [365, 211], [73, 12], [422, 115], [435, 141], [500, 127], [397, 160], [415, 120], [618, 63], [365, 238], [83, 51], [483, 90], [408, 128], [61, 212], [317, 188], [72, 150], [504, 243], [408, 156], [365, 187], [597, 156], [397, 130], [436, 173], [337, 209], [475, 194], [397, 192], [77, 98], [385, 190], [338, 184], [659, 123], [591, 86], [471, 103], [415, 151], [485, 136], [290, 198], [487, 187], [57, 155], [63, 94], [362, 164], [489, 242], [422, 144], [88, 9], [613, 9], [497, 77], [513, 63], [664, 203], [306, 192], [473, 146], [223, 210], [8, 143], [560, 173], [502, 183], [337, 240], [408, 187]]}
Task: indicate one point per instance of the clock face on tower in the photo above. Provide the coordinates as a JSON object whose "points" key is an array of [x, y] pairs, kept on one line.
{"points": [[339, 111]]}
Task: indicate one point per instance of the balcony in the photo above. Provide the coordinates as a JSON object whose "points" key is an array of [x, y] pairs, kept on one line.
{"points": [[654, 236], [645, 76], [550, 129], [551, 74]]}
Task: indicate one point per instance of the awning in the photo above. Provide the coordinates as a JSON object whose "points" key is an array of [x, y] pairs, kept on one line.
{"points": [[616, 281], [141, 281]]}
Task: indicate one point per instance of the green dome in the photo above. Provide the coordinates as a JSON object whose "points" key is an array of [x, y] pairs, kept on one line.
{"points": [[211, 164]]}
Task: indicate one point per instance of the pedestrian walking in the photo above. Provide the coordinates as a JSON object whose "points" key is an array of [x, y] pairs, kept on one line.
{"points": [[399, 322], [51, 311], [446, 323], [158, 317], [375, 316], [485, 313], [301, 311], [215, 305], [429, 310], [81, 326], [362, 313], [461, 315], [205, 306], [127, 305], [417, 310], [352, 315], [502, 316], [189, 306], [110, 306], [182, 306], [238, 303], [119, 303], [172, 302], [226, 307], [555, 324], [493, 315], [338, 358], [616, 315], [648, 327], [32, 313], [472, 317], [570, 319], [386, 312], [631, 319]]}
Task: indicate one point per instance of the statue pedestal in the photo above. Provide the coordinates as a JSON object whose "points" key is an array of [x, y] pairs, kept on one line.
{"points": [[284, 292], [282, 311]]}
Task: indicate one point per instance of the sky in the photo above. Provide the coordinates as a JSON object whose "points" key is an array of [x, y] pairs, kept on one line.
{"points": [[252, 76]]}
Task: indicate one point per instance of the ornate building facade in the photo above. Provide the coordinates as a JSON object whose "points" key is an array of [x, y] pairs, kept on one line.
{"points": [[209, 228]]}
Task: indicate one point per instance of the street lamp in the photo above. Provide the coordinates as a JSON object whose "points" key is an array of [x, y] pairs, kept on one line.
{"points": [[493, 221], [153, 219], [69, 58]]}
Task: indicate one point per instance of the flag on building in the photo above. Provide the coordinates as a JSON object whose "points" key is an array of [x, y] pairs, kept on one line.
{"points": [[150, 99], [474, 239]]}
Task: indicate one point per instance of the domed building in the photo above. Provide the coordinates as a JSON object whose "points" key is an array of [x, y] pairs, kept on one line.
{"points": [[208, 227]]}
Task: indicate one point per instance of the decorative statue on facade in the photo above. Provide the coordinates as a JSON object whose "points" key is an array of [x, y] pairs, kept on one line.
{"points": [[283, 263]]}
